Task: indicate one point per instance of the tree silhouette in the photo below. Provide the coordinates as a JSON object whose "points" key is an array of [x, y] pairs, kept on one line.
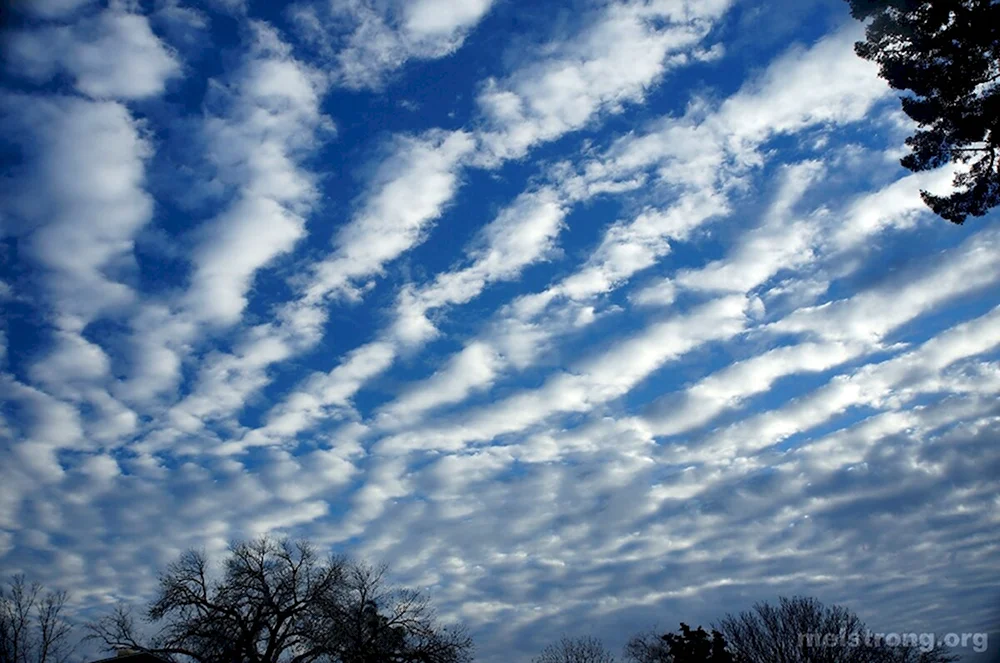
{"points": [[686, 646], [695, 646], [277, 602], [946, 54], [32, 626], [648, 647], [377, 623], [575, 650], [803, 630]]}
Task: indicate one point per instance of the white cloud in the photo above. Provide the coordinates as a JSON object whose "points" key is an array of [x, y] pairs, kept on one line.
{"points": [[247, 237], [72, 362], [525, 327], [81, 201], [871, 314], [111, 55], [226, 379], [826, 83], [384, 482], [77, 205], [730, 387], [369, 40], [694, 152], [321, 394], [521, 234], [440, 156], [614, 59], [530, 322], [77, 371], [273, 116], [593, 381], [46, 426], [755, 258], [890, 383], [160, 341], [408, 192], [782, 242], [443, 18], [473, 367], [896, 206], [267, 119]]}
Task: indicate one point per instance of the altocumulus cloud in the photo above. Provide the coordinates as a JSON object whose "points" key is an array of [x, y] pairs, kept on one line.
{"points": [[585, 316]]}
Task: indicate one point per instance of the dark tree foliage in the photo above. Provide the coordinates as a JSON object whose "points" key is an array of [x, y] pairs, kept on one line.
{"points": [[803, 630], [696, 647], [686, 646], [32, 626], [277, 602], [575, 650], [946, 54]]}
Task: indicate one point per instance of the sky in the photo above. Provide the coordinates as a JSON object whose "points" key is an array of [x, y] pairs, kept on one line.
{"points": [[587, 317]]}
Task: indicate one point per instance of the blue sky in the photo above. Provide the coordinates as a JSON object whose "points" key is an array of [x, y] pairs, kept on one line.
{"points": [[586, 317]]}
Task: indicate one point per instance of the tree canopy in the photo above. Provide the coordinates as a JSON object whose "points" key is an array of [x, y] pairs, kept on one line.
{"points": [[945, 54], [686, 646], [278, 602]]}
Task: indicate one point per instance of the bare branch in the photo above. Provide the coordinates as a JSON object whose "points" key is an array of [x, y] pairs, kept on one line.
{"points": [[32, 626], [277, 602]]}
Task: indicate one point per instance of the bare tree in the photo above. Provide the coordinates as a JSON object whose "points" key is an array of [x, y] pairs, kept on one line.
{"points": [[33, 628], [378, 622], [585, 649], [647, 647], [803, 630], [277, 602]]}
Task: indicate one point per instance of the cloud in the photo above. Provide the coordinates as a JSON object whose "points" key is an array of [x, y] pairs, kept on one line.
{"points": [[401, 225], [521, 234], [614, 59], [594, 381], [825, 83], [475, 366], [112, 55], [715, 145], [266, 120], [80, 202], [892, 382], [733, 385], [417, 169], [872, 314], [782, 242], [710, 352], [408, 192], [693, 152], [368, 41], [897, 206]]}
